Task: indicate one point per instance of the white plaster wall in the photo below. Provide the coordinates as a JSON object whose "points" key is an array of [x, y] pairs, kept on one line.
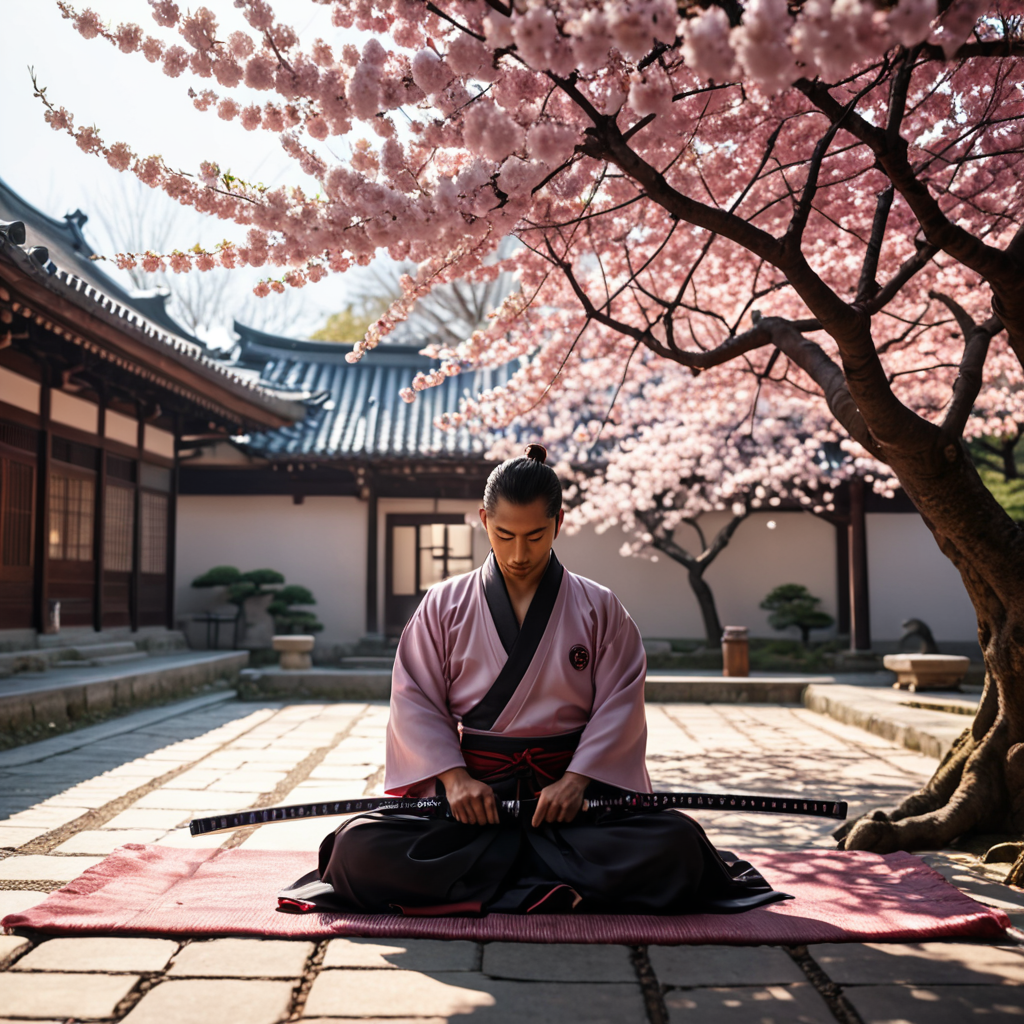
{"points": [[74, 412], [18, 390], [908, 577], [800, 549], [320, 544]]}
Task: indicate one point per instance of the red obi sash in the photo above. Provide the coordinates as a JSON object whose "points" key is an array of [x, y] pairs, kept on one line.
{"points": [[540, 760]]}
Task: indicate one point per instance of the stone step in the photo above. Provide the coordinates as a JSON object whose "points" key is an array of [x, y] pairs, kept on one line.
{"points": [[90, 652], [928, 723], [118, 659], [79, 694]]}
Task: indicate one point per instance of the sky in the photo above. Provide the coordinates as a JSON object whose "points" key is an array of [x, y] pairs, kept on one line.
{"points": [[126, 98]]}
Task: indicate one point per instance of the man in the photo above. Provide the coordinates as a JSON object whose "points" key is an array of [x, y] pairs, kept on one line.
{"points": [[523, 681]]}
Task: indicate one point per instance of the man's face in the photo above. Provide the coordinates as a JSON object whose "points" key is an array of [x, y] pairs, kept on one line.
{"points": [[521, 537]]}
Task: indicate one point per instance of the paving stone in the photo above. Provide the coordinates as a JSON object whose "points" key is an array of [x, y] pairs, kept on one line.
{"points": [[540, 961], [343, 771], [186, 800], [106, 840], [11, 946], [14, 901], [201, 1001], [242, 958], [406, 954], [344, 993], [136, 817], [99, 953], [920, 963], [245, 782], [82, 996], [45, 814], [937, 1004], [304, 834], [707, 966], [181, 839], [42, 868], [13, 836], [772, 1004]]}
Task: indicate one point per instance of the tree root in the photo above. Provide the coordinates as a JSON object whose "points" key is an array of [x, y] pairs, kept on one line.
{"points": [[1003, 853], [1015, 876], [933, 796]]}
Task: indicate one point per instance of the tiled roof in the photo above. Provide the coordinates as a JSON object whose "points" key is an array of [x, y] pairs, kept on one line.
{"points": [[355, 411], [120, 309], [69, 250]]}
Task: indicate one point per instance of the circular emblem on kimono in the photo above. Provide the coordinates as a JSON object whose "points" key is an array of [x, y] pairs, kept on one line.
{"points": [[579, 657]]}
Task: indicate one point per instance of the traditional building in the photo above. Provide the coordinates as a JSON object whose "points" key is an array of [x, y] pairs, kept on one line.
{"points": [[367, 503], [133, 459], [364, 500], [98, 388]]}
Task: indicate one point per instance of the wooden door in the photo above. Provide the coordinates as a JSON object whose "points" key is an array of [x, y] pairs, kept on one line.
{"points": [[421, 550], [17, 522], [118, 551]]}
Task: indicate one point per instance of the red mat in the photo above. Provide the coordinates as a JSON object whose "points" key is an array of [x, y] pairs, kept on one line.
{"points": [[840, 897]]}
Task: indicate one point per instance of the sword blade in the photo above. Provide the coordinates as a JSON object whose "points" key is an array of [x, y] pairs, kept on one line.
{"points": [[435, 806]]}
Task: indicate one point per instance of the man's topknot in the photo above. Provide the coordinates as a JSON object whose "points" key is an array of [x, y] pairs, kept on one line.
{"points": [[521, 481]]}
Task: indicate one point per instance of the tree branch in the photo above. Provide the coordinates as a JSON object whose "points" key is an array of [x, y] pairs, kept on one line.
{"points": [[867, 287], [977, 338]]}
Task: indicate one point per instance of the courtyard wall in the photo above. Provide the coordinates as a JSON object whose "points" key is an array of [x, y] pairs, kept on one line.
{"points": [[321, 544]]}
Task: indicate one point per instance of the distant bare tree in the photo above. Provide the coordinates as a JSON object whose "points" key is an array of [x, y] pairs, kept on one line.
{"points": [[130, 217], [447, 316]]}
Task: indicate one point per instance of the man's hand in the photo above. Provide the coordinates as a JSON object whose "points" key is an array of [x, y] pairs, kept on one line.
{"points": [[472, 802], [562, 800]]}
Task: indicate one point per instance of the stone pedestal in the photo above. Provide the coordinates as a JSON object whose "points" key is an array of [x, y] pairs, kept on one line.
{"points": [[927, 671], [295, 651]]}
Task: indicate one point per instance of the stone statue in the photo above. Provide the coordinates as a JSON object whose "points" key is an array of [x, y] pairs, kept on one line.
{"points": [[915, 629]]}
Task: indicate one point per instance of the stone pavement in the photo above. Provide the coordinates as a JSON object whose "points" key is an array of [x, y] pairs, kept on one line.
{"points": [[65, 809]]}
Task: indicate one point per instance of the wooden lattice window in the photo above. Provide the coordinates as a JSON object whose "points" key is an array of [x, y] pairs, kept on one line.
{"points": [[153, 510], [71, 517], [16, 487], [118, 528]]}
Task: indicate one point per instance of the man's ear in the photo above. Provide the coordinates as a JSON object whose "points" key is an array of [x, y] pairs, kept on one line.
{"points": [[483, 517], [558, 524]]}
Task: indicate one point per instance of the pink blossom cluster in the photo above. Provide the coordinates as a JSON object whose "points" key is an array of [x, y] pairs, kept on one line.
{"points": [[466, 125]]}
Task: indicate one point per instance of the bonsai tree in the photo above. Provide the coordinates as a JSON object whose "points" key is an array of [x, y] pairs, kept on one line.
{"points": [[792, 605], [290, 619], [243, 585]]}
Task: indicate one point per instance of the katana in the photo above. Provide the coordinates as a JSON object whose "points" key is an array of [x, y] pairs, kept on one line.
{"points": [[437, 807]]}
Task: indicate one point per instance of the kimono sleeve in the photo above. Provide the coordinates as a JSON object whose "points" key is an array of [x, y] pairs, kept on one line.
{"points": [[613, 746], [422, 735]]}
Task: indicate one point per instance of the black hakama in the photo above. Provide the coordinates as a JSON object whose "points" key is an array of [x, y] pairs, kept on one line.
{"points": [[654, 863]]}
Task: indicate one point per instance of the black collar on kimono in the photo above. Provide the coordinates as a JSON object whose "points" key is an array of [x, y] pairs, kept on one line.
{"points": [[520, 644]]}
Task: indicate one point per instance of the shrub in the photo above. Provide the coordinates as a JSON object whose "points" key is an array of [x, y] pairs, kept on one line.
{"points": [[793, 605]]}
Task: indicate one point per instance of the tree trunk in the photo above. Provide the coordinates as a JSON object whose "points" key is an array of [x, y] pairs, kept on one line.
{"points": [[979, 786], [708, 610]]}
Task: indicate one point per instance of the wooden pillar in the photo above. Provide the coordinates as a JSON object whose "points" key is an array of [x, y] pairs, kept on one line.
{"points": [[860, 622], [98, 522], [172, 526], [843, 578], [136, 587], [372, 544], [41, 576]]}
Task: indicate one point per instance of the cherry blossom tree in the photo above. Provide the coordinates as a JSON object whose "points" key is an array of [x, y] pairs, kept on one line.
{"points": [[825, 193], [656, 453]]}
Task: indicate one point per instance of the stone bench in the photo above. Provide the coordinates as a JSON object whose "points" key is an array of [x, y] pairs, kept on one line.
{"points": [[927, 671]]}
